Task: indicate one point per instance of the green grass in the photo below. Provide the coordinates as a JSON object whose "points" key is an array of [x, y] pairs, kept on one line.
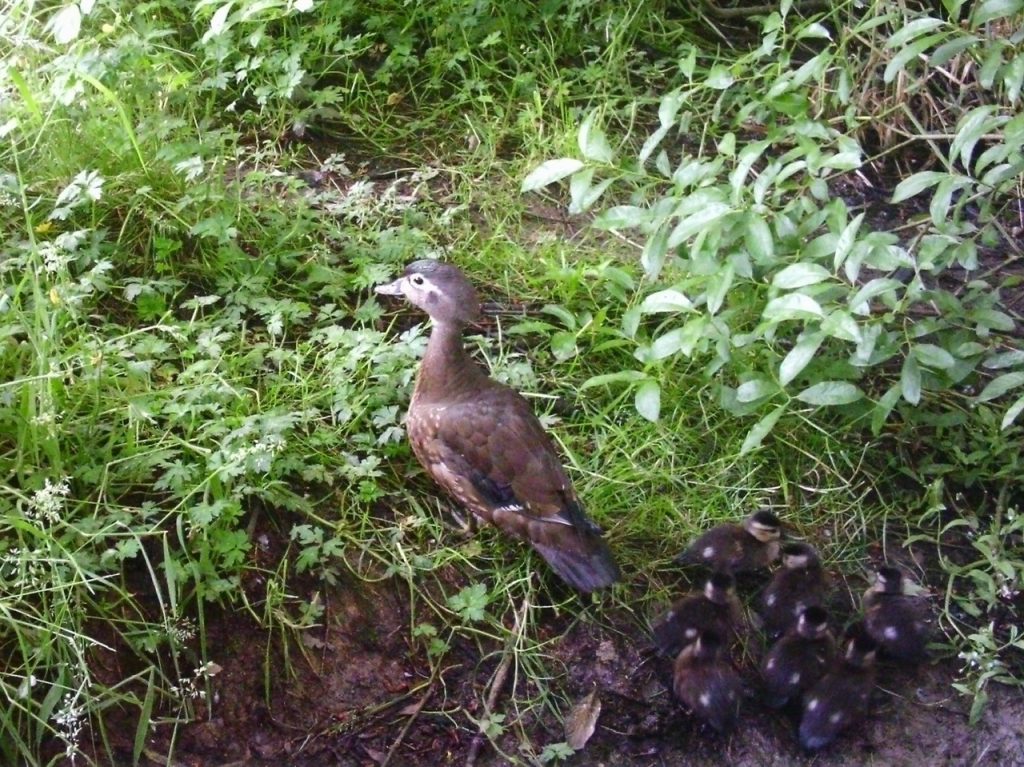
{"points": [[191, 347]]}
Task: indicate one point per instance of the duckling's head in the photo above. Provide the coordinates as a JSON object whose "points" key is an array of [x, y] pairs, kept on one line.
{"points": [[764, 526], [720, 588], [707, 646], [888, 580], [441, 290], [798, 556], [812, 623], [859, 649]]}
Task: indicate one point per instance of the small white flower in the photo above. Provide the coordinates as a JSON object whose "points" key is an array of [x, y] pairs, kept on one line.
{"points": [[48, 502]]}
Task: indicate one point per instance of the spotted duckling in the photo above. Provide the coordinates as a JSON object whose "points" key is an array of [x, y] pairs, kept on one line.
{"points": [[737, 548], [706, 682], [840, 699], [798, 660], [898, 621], [716, 609], [799, 584], [481, 442]]}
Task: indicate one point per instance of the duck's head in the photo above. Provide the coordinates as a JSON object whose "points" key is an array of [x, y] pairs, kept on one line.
{"points": [[764, 526], [707, 646], [812, 623], [441, 290], [888, 580], [720, 588], [859, 649], [797, 556]]}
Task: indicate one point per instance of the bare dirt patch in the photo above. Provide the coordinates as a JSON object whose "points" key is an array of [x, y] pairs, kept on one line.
{"points": [[359, 691]]}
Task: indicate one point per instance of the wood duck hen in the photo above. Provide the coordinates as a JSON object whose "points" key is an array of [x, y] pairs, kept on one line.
{"points": [[897, 620], [737, 548], [482, 443], [716, 609], [799, 584]]}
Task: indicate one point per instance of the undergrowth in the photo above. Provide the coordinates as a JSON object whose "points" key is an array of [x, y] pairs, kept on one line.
{"points": [[196, 200]]}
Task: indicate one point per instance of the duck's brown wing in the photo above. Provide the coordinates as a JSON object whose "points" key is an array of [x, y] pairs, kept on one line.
{"points": [[491, 453]]}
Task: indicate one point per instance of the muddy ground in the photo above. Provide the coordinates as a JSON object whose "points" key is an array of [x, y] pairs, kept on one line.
{"points": [[358, 691]]}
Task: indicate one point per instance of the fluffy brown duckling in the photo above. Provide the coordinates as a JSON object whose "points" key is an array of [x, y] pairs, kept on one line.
{"points": [[706, 683], [482, 443], [898, 621], [737, 548], [799, 584], [798, 660], [840, 699], [716, 609]]}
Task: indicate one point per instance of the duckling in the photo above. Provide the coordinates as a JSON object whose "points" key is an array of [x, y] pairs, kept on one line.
{"points": [[737, 548], [481, 442], [705, 681], [799, 584], [799, 659], [840, 699], [715, 609], [898, 621]]}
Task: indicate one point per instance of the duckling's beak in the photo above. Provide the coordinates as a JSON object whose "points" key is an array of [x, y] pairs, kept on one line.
{"points": [[391, 289]]}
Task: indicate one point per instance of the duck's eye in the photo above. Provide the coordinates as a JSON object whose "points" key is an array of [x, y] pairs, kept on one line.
{"points": [[417, 280]]}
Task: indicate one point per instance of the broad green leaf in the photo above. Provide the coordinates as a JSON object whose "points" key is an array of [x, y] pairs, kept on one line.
{"points": [[814, 30], [916, 184], [652, 257], [718, 286], [761, 429], [790, 307], [747, 157], [884, 406], [652, 143], [933, 356], [755, 389], [846, 240], [970, 349], [1003, 359], [667, 344], [549, 172], [841, 324], [66, 24], [909, 53], [1012, 412], [568, 318], [648, 400], [799, 357], [696, 222], [969, 131], [669, 108], [622, 217], [758, 238], [942, 55], [719, 78], [668, 300], [910, 380], [800, 275], [623, 376], [593, 142], [990, 10], [860, 303], [582, 194], [915, 28], [830, 393], [993, 319], [999, 385]]}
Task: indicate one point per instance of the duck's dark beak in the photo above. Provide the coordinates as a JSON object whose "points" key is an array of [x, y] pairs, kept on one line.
{"points": [[391, 289]]}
